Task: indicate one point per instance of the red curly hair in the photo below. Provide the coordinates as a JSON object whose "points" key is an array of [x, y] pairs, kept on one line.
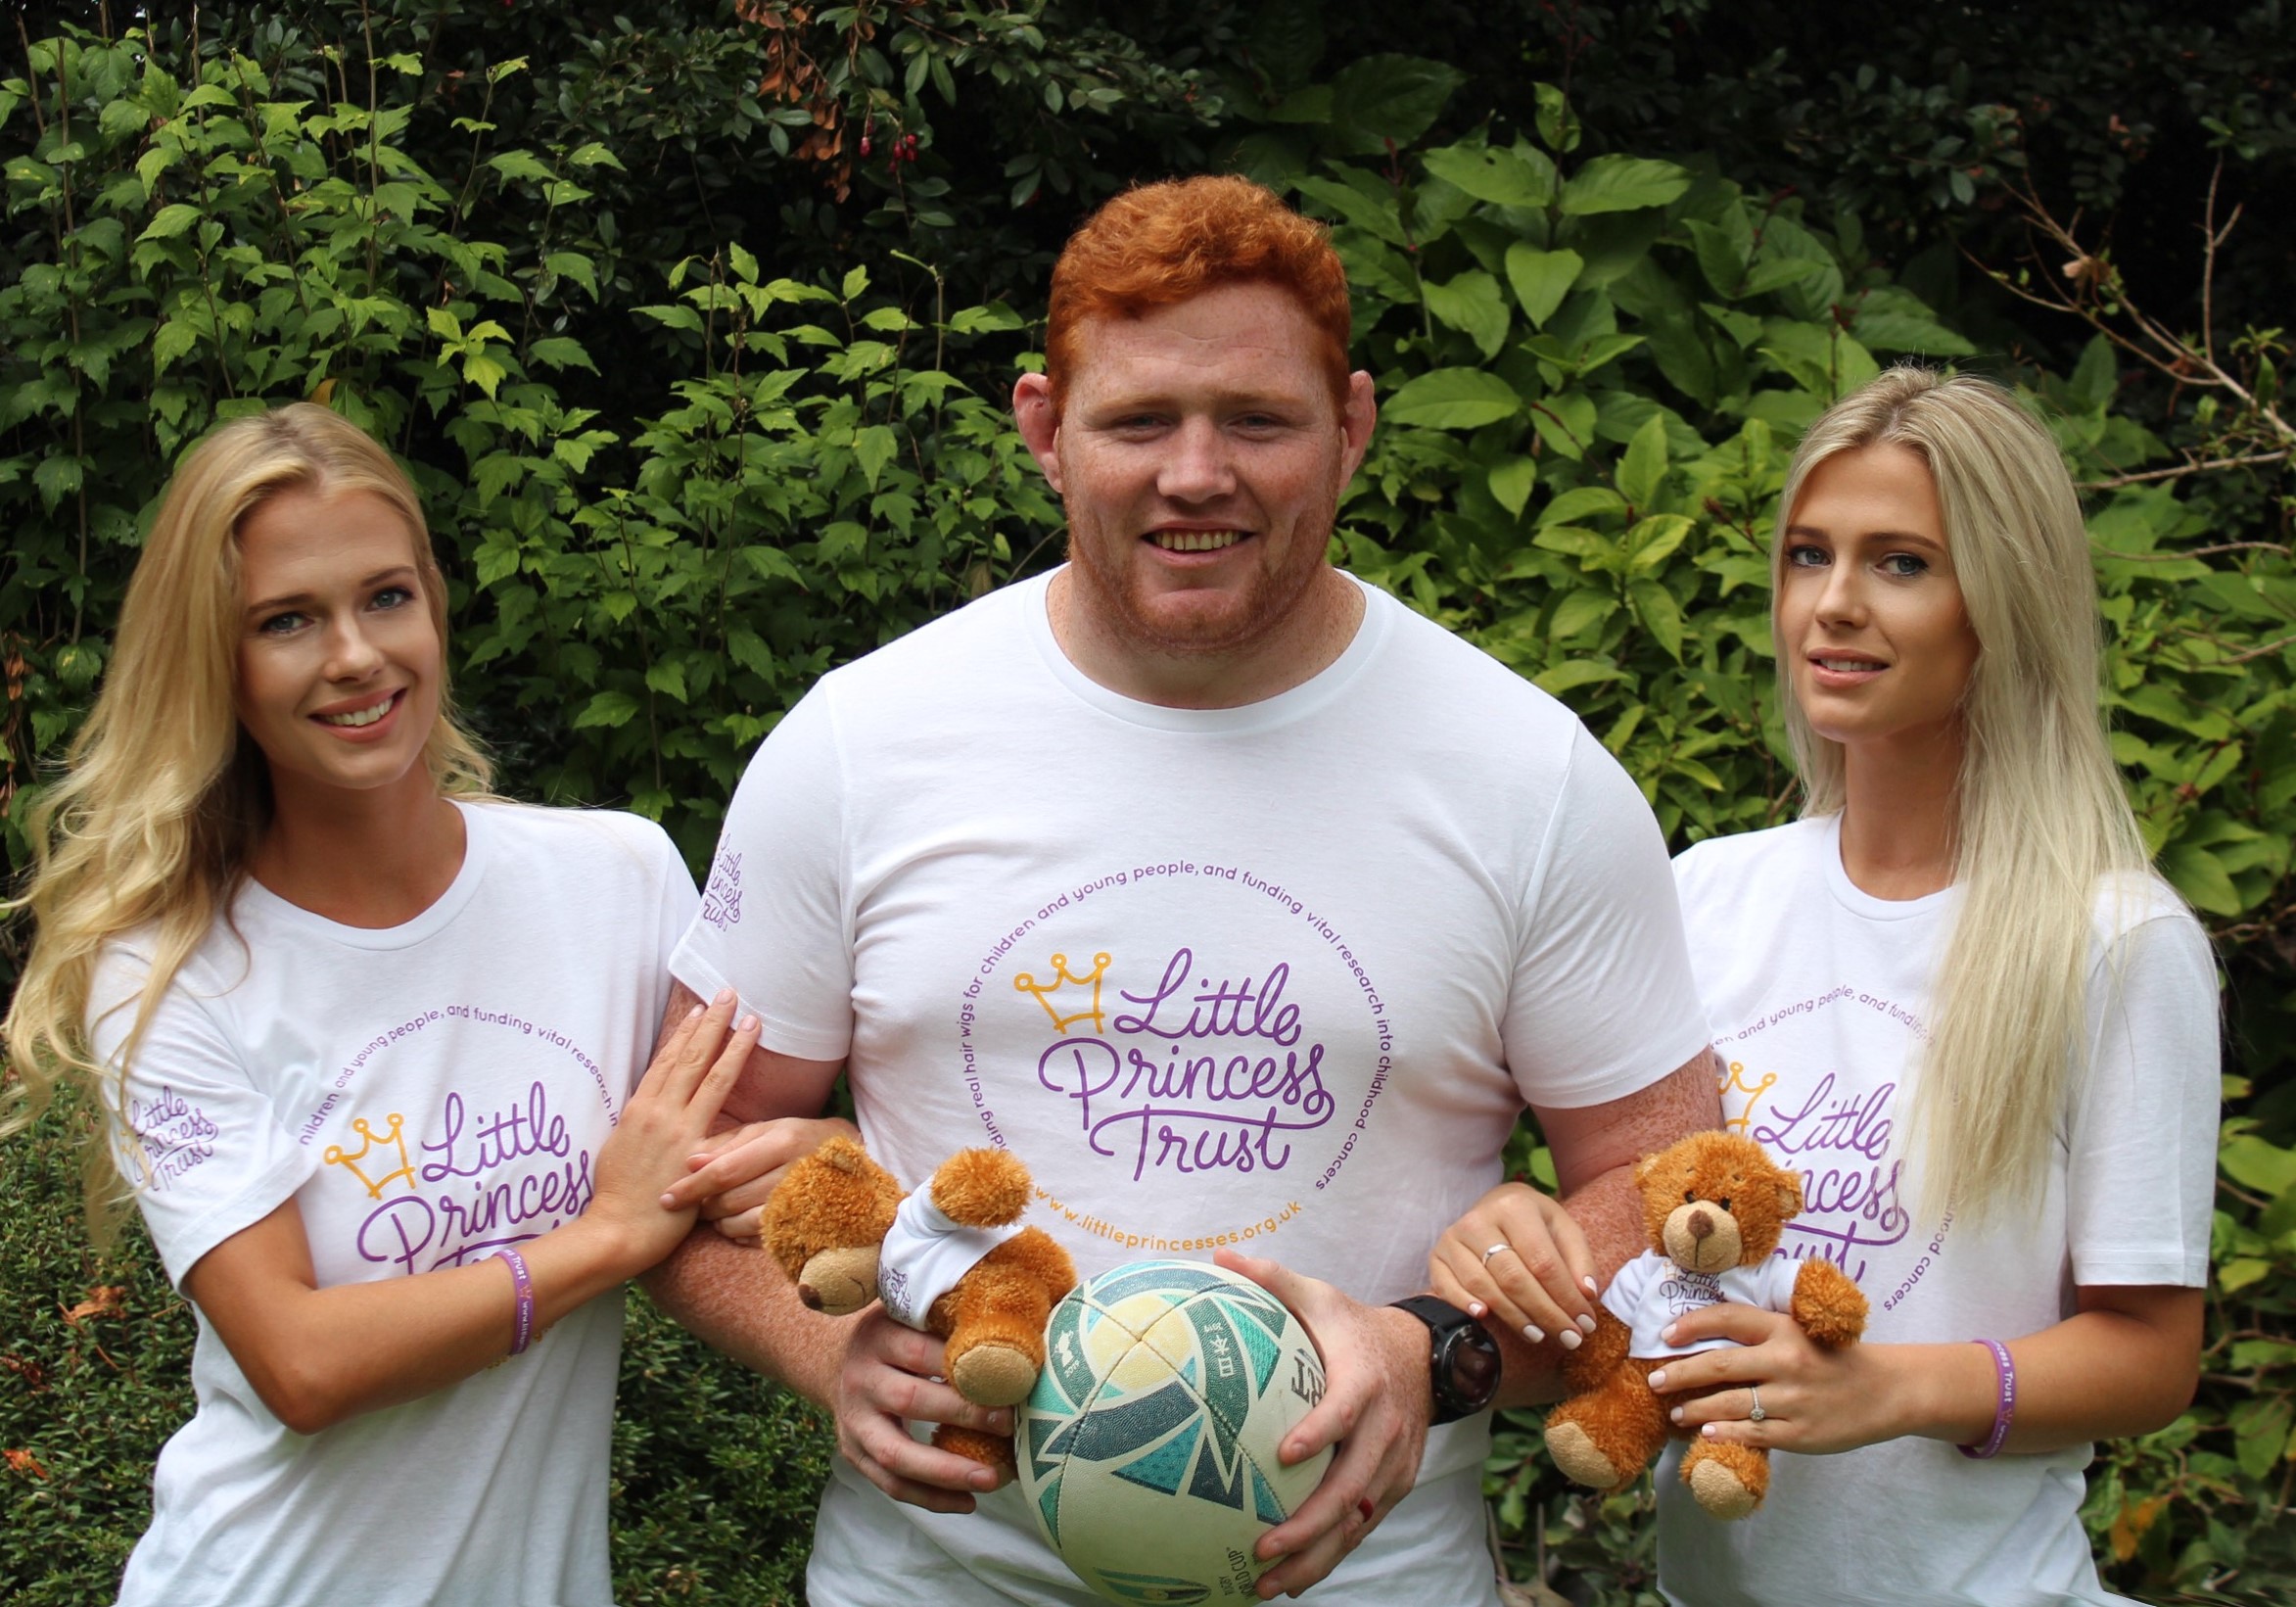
{"points": [[1159, 244]]}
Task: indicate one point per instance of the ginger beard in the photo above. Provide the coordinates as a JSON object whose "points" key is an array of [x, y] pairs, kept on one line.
{"points": [[1200, 454]]}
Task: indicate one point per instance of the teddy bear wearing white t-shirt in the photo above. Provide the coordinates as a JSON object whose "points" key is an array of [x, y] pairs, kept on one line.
{"points": [[1714, 1205]]}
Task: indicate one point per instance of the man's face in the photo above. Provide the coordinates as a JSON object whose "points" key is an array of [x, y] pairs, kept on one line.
{"points": [[1200, 455]]}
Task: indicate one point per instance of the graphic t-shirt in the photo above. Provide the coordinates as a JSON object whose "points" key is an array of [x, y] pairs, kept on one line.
{"points": [[1651, 1290], [425, 1094], [1279, 978], [1819, 995]]}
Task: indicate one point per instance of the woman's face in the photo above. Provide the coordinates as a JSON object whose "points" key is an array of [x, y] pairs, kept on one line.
{"points": [[1870, 620], [339, 663]]}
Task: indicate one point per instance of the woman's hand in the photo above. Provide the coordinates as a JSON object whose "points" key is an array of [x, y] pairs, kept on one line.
{"points": [[1814, 1401], [736, 1171], [1517, 1255], [666, 1122]]}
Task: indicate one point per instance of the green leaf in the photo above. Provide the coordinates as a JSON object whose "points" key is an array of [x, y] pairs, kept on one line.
{"points": [[872, 448], [2236, 1275], [2260, 1434], [573, 264], [561, 352], [1511, 483], [1383, 98], [667, 677], [1659, 613], [171, 341], [607, 708], [1376, 217], [1566, 422], [1580, 502], [1454, 398], [2200, 877], [58, 477], [1579, 612], [1560, 678], [172, 219], [1620, 184], [1643, 466], [1472, 304], [596, 155], [1502, 177], [520, 164], [1652, 541], [857, 280], [1541, 279], [1557, 121], [2251, 1162]]}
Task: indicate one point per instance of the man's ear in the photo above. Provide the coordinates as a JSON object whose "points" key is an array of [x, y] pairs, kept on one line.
{"points": [[1039, 424], [1356, 420]]}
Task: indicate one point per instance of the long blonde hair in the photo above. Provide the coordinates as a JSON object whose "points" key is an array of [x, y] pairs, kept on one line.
{"points": [[165, 796], [2041, 825]]}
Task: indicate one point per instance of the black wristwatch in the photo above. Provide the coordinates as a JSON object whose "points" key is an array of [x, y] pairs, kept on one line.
{"points": [[1462, 1359]]}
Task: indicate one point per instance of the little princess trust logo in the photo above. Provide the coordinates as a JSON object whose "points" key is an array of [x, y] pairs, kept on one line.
{"points": [[1184, 1020]]}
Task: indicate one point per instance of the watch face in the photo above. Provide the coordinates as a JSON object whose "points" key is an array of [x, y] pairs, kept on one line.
{"points": [[1474, 1364], [1470, 1364]]}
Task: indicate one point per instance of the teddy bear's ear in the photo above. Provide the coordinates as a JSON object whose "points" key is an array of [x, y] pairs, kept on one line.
{"points": [[1789, 1194], [843, 1155]]}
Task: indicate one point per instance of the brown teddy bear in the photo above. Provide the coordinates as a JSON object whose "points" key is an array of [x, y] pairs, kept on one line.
{"points": [[1714, 1207], [949, 1260]]}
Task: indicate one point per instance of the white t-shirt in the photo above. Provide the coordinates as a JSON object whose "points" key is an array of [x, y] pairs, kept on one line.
{"points": [[1651, 1290], [1819, 995], [1279, 976], [424, 1093]]}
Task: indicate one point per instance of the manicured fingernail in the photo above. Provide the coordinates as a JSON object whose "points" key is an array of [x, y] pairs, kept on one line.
{"points": [[1590, 1284], [1669, 1335], [1586, 1325], [1675, 1416], [1533, 1332], [1657, 1379], [749, 1023], [984, 1479], [1475, 1309], [725, 997], [691, 1014], [1705, 1431], [669, 1202], [1570, 1338]]}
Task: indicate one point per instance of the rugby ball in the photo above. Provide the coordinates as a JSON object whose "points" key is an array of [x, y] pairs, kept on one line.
{"points": [[1147, 1450]]}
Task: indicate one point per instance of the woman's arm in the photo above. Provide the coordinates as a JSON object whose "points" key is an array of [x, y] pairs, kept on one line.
{"points": [[316, 1357], [2124, 1363]]}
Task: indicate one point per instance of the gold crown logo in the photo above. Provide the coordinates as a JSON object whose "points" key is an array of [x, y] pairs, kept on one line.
{"points": [[1736, 1083], [337, 1156], [1061, 977]]}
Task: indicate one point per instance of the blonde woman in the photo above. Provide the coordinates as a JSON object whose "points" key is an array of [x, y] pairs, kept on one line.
{"points": [[1955, 999], [367, 1039]]}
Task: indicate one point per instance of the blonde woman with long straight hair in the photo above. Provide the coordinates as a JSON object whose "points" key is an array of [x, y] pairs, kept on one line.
{"points": [[367, 1040], [1957, 1001]]}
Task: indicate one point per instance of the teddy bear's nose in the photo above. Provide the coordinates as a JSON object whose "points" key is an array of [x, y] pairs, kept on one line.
{"points": [[1701, 1225], [809, 1296]]}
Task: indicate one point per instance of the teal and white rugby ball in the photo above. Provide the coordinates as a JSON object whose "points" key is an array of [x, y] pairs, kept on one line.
{"points": [[1147, 1450]]}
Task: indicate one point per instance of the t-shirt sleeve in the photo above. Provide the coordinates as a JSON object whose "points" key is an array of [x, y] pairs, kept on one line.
{"points": [[1623, 1298], [2141, 1174], [776, 923], [194, 1136], [1603, 1004]]}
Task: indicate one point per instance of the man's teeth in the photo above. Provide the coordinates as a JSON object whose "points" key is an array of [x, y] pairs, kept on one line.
{"points": [[360, 717], [1196, 540]]}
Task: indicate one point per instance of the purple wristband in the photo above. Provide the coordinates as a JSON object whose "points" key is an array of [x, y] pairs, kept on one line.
{"points": [[2004, 1403], [523, 1288]]}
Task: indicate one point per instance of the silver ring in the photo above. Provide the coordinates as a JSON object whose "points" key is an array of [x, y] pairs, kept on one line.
{"points": [[1493, 1251], [1756, 1415]]}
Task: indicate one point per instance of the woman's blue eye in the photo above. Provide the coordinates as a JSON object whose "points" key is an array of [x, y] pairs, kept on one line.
{"points": [[392, 597], [278, 624], [1903, 565], [1807, 557]]}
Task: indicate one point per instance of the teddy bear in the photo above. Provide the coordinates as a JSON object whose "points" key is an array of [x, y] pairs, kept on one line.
{"points": [[1714, 1207], [950, 1260]]}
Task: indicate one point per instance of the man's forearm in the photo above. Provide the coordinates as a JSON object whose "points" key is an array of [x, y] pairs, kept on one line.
{"points": [[1609, 1212], [737, 1300]]}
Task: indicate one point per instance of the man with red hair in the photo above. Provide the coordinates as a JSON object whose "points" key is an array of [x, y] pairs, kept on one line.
{"points": [[1245, 906]]}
